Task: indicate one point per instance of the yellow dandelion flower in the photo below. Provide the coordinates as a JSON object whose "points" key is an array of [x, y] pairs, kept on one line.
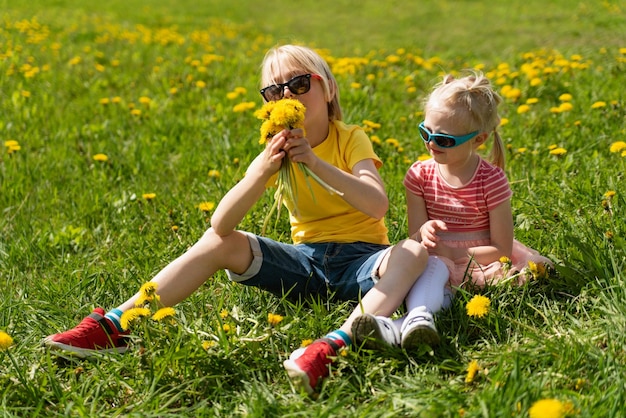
{"points": [[11, 143], [175, 228], [5, 340], [618, 146], [148, 196], [535, 81], [132, 315], [538, 270], [105, 101], [565, 97], [208, 344], [163, 313], [424, 157], [116, 99], [547, 408], [355, 85], [135, 112], [523, 109], [558, 151], [149, 288], [242, 107], [532, 100], [214, 173], [240, 90], [206, 206], [376, 139], [505, 260], [504, 121], [200, 84], [100, 157], [472, 369], [223, 313], [274, 319], [145, 100], [393, 142], [522, 150], [226, 328], [565, 107], [598, 105], [232, 95], [609, 194], [306, 343], [173, 90], [478, 306]]}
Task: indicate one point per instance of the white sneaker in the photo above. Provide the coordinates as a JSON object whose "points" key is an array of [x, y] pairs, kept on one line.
{"points": [[375, 332], [419, 328]]}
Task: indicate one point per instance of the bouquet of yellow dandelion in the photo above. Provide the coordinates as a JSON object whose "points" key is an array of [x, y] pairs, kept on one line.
{"points": [[276, 116]]}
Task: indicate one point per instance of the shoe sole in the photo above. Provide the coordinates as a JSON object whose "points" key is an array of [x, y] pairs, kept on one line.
{"points": [[82, 352], [367, 333], [418, 336], [298, 377]]}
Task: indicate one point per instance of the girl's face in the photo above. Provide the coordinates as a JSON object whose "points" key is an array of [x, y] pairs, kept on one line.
{"points": [[440, 119]]}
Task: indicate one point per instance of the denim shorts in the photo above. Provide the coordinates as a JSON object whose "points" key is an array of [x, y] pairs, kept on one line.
{"points": [[345, 271]]}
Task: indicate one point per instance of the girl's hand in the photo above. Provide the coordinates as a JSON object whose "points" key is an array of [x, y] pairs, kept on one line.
{"points": [[299, 149], [428, 232]]}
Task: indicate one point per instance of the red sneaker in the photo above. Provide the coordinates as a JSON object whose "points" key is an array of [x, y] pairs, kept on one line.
{"points": [[94, 334], [307, 366]]}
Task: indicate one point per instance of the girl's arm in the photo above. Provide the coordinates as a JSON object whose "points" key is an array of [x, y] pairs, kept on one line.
{"points": [[363, 188], [238, 201], [501, 234], [416, 213]]}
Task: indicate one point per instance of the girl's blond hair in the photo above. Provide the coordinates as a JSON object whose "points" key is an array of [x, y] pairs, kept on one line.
{"points": [[299, 60], [473, 100]]}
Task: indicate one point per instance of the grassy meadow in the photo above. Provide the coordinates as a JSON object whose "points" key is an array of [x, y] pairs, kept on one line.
{"points": [[123, 123]]}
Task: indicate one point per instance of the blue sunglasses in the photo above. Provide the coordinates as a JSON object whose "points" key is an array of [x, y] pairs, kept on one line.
{"points": [[444, 140]]}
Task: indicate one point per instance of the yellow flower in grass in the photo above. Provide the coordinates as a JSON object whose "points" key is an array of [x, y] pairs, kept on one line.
{"points": [[147, 293], [472, 369], [558, 151], [149, 196], [206, 206], [100, 157], [163, 313], [223, 314], [616, 147], [214, 173], [547, 408], [242, 107], [598, 105], [609, 194], [538, 270], [274, 319], [132, 315], [208, 344], [5, 340], [478, 306], [306, 343]]}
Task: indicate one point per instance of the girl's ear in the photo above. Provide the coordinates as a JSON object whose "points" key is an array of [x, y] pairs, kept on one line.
{"points": [[481, 138]]}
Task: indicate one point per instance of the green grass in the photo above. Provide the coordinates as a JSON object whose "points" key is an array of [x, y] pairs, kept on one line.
{"points": [[76, 233]]}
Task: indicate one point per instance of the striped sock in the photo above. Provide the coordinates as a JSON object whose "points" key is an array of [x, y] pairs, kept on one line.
{"points": [[115, 316], [339, 335]]}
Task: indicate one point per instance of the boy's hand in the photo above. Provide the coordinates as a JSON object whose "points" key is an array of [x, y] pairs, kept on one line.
{"points": [[299, 149]]}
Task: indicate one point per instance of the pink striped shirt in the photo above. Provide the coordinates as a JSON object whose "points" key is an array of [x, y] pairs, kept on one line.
{"points": [[465, 208]]}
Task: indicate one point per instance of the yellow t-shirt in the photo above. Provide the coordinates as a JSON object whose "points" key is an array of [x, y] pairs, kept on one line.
{"points": [[326, 217]]}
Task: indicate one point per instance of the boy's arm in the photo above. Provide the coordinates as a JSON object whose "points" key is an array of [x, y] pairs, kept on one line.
{"points": [[238, 200]]}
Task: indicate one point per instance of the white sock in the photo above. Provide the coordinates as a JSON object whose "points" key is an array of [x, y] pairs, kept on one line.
{"points": [[429, 289]]}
